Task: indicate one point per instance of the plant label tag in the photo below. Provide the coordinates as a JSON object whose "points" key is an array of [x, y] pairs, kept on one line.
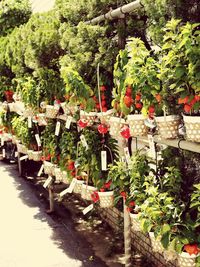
{"points": [[37, 137], [152, 146], [4, 152], [57, 131], [84, 142], [29, 122], [72, 185], [48, 181], [88, 209], [16, 154], [40, 170], [127, 155], [23, 157], [2, 141], [103, 160], [64, 192], [68, 122]]}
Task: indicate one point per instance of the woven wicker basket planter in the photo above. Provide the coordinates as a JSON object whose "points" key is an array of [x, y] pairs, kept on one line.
{"points": [[186, 260], [136, 125], [36, 155], [155, 243], [69, 109], [105, 116], [65, 178], [86, 191], [170, 255], [192, 126], [58, 174], [78, 187], [30, 155], [168, 126], [28, 112], [106, 199], [22, 148], [89, 117], [48, 167], [135, 224], [115, 125], [51, 112]]}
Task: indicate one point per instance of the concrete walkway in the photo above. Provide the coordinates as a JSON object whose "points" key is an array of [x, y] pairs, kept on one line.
{"points": [[28, 236]]}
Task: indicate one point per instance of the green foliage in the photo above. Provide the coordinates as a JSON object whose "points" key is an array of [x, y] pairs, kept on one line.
{"points": [[13, 13]]}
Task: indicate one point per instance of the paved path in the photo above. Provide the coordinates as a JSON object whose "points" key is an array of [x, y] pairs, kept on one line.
{"points": [[28, 236]]}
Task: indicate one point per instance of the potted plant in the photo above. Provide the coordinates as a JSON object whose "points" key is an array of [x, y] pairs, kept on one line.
{"points": [[179, 72]]}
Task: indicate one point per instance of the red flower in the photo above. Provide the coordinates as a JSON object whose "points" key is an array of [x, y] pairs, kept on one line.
{"points": [[123, 194], [57, 101], [103, 97], [138, 105], [132, 204], [73, 173], [187, 108], [102, 128], [158, 97], [42, 158], [103, 103], [108, 184], [183, 100], [95, 197], [102, 88], [129, 209], [191, 249], [125, 132], [128, 91], [104, 109], [48, 157], [70, 165], [138, 97], [82, 123], [128, 101], [151, 109], [98, 106]]}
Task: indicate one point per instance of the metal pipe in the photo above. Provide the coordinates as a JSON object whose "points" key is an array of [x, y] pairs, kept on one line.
{"points": [[178, 143], [116, 13], [51, 199]]}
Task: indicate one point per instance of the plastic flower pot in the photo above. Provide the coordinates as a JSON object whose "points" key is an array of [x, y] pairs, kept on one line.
{"points": [[135, 224], [106, 199], [168, 126], [51, 111], [86, 191], [187, 260], [48, 168], [58, 175], [192, 126], [36, 155], [155, 243], [136, 125]]}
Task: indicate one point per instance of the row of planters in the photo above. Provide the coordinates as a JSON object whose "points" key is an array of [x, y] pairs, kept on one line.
{"points": [[163, 201]]}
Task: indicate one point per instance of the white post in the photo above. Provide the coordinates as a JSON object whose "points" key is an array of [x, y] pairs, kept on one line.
{"points": [[127, 235]]}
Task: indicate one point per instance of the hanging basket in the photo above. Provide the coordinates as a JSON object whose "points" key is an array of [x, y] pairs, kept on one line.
{"points": [[137, 125], [30, 154], [51, 111], [28, 112], [186, 260], [168, 126], [48, 167], [192, 125], [89, 117], [116, 124], [135, 223], [78, 186], [86, 191], [105, 116], [36, 155], [22, 148], [106, 199], [65, 178], [170, 255], [41, 118], [155, 243], [58, 175]]}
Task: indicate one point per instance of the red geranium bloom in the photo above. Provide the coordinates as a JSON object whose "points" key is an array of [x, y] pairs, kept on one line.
{"points": [[108, 184], [82, 123], [125, 132], [131, 203], [123, 194], [102, 128], [102, 190], [191, 249], [95, 197], [70, 165]]}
